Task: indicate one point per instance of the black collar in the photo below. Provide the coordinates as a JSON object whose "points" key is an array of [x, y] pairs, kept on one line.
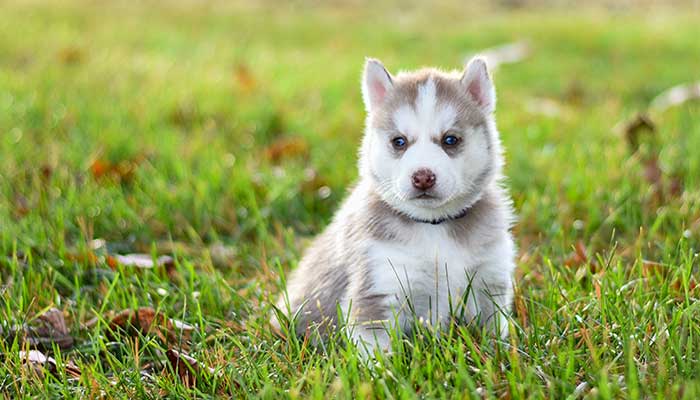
{"points": [[438, 221]]}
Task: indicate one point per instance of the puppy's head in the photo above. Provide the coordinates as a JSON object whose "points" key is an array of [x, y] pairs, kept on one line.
{"points": [[430, 144]]}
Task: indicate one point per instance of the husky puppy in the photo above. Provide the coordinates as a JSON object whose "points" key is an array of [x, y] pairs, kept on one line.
{"points": [[425, 232]]}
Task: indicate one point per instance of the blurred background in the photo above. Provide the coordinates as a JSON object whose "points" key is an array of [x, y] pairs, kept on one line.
{"points": [[221, 136], [238, 122]]}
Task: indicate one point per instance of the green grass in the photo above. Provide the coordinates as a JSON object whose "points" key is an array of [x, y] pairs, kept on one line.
{"points": [[195, 99]]}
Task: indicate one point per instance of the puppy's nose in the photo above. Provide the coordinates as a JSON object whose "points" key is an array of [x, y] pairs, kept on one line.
{"points": [[423, 179]]}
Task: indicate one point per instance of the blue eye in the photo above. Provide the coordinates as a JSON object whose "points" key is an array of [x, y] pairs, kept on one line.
{"points": [[450, 140], [399, 142]]}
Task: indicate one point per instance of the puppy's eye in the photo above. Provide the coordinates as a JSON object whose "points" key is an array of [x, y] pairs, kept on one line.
{"points": [[450, 140], [399, 142]]}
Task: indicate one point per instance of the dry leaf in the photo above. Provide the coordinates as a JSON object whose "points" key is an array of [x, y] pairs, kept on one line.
{"points": [[122, 171], [653, 268], [46, 172], [71, 55], [287, 148], [635, 127], [520, 307], [505, 54], [139, 260], [679, 290], [44, 332], [652, 171], [87, 257], [40, 363], [543, 106], [187, 367], [675, 96], [244, 77], [55, 328], [574, 93], [22, 206], [579, 257], [146, 320]]}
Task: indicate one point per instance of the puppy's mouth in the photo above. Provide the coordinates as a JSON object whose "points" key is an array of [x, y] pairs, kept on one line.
{"points": [[425, 196]]}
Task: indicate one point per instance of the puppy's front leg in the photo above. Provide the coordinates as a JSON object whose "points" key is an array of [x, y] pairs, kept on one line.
{"points": [[494, 295], [371, 337]]}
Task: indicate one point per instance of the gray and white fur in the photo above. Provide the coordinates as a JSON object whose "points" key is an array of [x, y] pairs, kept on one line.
{"points": [[425, 232]]}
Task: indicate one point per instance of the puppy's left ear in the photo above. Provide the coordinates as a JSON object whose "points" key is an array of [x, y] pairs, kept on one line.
{"points": [[477, 82]]}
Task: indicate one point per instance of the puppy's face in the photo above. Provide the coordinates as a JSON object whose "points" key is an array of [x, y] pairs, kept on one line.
{"points": [[430, 144]]}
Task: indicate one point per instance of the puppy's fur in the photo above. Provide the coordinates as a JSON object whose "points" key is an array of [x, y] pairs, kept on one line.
{"points": [[405, 246]]}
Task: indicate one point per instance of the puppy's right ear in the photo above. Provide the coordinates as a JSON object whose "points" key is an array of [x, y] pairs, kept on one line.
{"points": [[376, 83]]}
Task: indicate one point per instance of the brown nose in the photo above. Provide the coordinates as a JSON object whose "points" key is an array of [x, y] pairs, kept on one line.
{"points": [[423, 179]]}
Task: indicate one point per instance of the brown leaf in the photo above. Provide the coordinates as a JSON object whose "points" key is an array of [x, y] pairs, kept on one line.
{"points": [[187, 367], [40, 363], [86, 257], [653, 268], [55, 328], [145, 320], [598, 291], [44, 332], [579, 257], [635, 127], [244, 77], [141, 320], [520, 307], [71, 55], [676, 186], [283, 148], [574, 93], [22, 206], [46, 172], [121, 171], [652, 171]]}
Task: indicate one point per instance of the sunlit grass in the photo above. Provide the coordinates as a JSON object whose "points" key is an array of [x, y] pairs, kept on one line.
{"points": [[226, 137]]}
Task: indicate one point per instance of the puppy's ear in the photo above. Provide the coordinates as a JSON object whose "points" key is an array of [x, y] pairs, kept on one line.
{"points": [[376, 83], [477, 82]]}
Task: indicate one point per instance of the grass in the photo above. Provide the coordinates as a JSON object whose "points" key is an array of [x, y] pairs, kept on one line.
{"points": [[225, 136]]}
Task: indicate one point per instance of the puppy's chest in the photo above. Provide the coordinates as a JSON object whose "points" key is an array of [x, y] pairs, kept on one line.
{"points": [[429, 264]]}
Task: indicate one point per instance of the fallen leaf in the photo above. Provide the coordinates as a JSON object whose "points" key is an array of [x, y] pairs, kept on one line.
{"points": [[120, 171], [598, 291], [71, 55], [86, 257], [244, 77], [505, 54], [40, 363], [145, 320], [185, 115], [543, 106], [139, 260], [574, 93], [22, 206], [44, 332], [675, 96], [635, 127], [679, 289], [46, 172], [579, 257], [520, 307], [652, 171], [187, 368], [653, 268], [55, 328], [287, 148]]}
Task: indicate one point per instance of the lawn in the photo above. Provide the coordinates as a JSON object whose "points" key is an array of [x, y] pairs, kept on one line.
{"points": [[225, 135]]}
